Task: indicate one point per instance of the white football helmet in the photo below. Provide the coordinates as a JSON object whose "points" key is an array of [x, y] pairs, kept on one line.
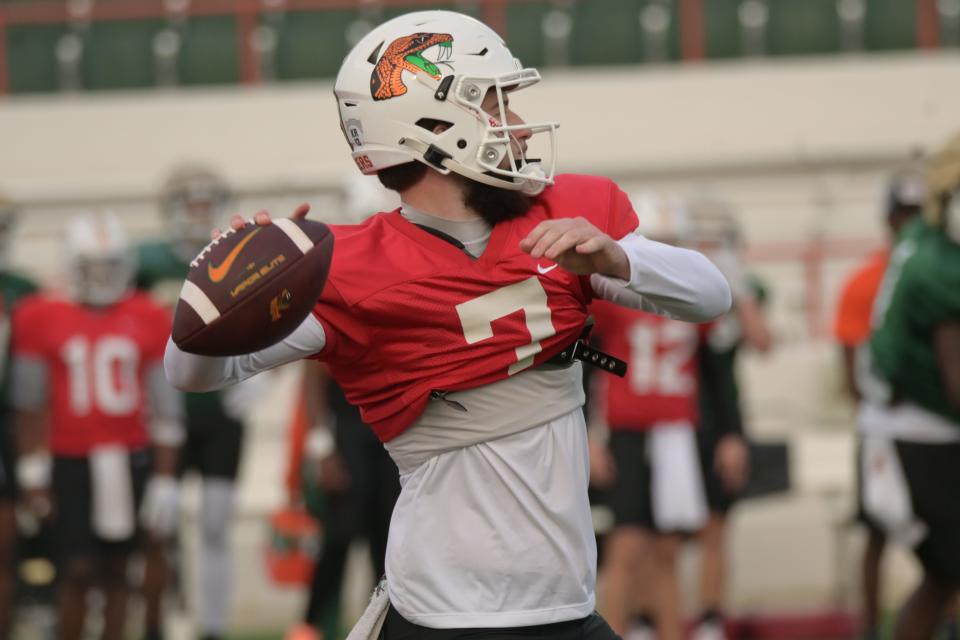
{"points": [[363, 196], [432, 66], [663, 218], [100, 261], [194, 200], [714, 223]]}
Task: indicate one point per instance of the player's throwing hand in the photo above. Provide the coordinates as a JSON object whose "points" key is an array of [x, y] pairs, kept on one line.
{"points": [[577, 246]]}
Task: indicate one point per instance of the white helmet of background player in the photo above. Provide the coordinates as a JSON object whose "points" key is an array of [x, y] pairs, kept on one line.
{"points": [[100, 261], [363, 196], [942, 208], [663, 218], [437, 66], [193, 201], [715, 227]]}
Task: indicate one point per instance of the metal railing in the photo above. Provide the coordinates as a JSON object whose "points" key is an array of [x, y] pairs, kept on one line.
{"points": [[252, 24]]}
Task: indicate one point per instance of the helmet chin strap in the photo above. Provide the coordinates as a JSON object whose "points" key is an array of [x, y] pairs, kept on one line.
{"points": [[442, 162]]}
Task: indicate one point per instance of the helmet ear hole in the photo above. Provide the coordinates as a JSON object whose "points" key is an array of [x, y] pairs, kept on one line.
{"points": [[432, 124]]}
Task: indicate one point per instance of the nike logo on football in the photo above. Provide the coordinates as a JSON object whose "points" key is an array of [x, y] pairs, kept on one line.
{"points": [[220, 272], [545, 270]]}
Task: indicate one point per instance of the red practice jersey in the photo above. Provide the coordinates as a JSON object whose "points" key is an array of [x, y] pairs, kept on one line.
{"points": [[96, 361], [661, 354], [406, 313]]}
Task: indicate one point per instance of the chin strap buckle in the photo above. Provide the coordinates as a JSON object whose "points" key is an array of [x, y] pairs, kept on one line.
{"points": [[432, 154]]}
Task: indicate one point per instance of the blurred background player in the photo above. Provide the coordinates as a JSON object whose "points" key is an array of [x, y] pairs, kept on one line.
{"points": [[338, 468], [658, 493], [193, 201], [13, 287], [724, 451], [90, 396], [904, 200], [915, 353], [349, 483]]}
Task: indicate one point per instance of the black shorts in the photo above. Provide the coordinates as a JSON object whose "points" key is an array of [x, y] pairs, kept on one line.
{"points": [[631, 498], [212, 447], [73, 496], [719, 499], [932, 472], [593, 627], [8, 461]]}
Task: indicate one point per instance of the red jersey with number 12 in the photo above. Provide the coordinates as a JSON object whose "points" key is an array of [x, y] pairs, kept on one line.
{"points": [[406, 312], [96, 361], [661, 381]]}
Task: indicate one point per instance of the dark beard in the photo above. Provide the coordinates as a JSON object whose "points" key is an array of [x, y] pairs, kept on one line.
{"points": [[494, 204]]}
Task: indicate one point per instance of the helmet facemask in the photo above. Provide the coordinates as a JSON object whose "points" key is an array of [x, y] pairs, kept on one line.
{"points": [[194, 201], [101, 264], [100, 282], [502, 158]]}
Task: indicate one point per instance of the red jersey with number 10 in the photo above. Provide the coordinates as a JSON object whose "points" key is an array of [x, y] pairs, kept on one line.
{"points": [[661, 381], [96, 361], [406, 312]]}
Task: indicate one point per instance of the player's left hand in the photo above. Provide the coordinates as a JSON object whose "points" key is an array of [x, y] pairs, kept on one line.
{"points": [[160, 511], [261, 218], [577, 246], [732, 462]]}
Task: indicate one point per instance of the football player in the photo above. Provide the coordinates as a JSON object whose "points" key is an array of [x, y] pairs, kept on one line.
{"points": [[724, 452], [657, 496], [339, 469], [904, 200], [350, 484], [90, 396], [915, 356], [193, 200], [453, 323], [13, 287]]}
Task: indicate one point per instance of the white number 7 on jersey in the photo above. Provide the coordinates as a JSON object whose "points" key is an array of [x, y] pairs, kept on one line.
{"points": [[477, 316]]}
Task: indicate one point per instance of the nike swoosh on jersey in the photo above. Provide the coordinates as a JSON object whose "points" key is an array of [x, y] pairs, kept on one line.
{"points": [[219, 272], [546, 270]]}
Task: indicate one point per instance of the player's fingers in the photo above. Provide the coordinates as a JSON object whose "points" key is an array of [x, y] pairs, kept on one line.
{"points": [[236, 222], [528, 243], [546, 241], [301, 211], [215, 233], [262, 217], [591, 245], [564, 243]]}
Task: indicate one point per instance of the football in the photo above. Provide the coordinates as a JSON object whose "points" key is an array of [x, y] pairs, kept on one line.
{"points": [[251, 288]]}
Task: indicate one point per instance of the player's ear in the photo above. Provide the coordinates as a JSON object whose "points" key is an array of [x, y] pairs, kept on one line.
{"points": [[440, 128]]}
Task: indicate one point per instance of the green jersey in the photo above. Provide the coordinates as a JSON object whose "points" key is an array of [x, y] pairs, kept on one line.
{"points": [[920, 290], [162, 272], [12, 288]]}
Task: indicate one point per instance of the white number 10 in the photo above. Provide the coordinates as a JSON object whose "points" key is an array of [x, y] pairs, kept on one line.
{"points": [[477, 316], [109, 366]]}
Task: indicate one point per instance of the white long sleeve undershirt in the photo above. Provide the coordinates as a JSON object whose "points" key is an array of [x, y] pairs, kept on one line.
{"points": [[667, 280]]}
